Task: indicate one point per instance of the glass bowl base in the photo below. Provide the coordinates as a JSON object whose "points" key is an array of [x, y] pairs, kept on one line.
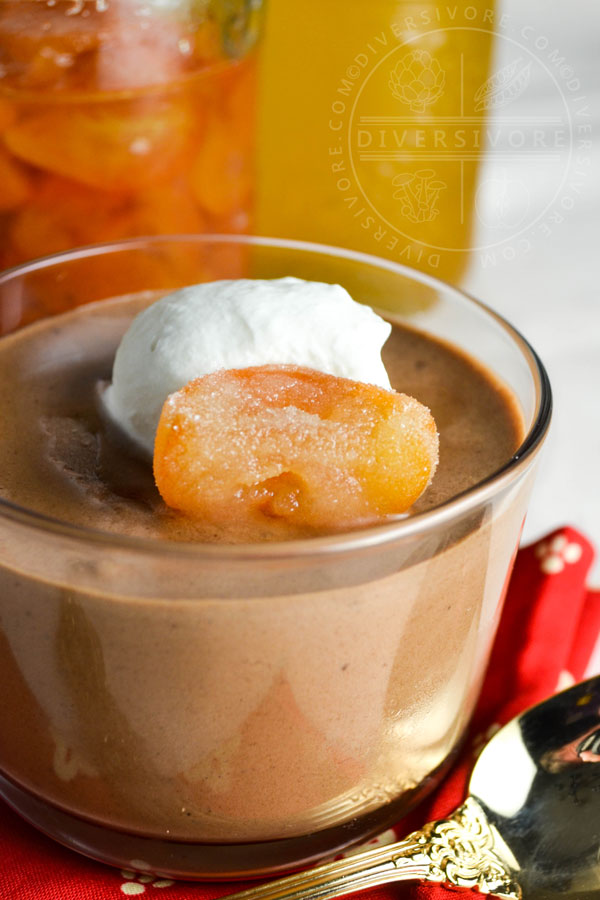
{"points": [[211, 862]]}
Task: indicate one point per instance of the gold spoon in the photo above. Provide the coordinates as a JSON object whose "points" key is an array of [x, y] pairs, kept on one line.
{"points": [[530, 827]]}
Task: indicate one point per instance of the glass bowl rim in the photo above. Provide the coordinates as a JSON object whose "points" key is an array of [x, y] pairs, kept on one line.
{"points": [[339, 543]]}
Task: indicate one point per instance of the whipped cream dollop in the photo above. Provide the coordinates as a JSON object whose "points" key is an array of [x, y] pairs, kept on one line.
{"points": [[232, 325]]}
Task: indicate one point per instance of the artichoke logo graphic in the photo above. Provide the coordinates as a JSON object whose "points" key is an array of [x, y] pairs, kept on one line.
{"points": [[417, 80]]}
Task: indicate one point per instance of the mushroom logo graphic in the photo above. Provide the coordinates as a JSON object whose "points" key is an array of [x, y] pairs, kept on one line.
{"points": [[418, 194]]}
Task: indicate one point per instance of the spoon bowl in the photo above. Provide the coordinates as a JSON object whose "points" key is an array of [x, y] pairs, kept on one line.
{"points": [[530, 827]]}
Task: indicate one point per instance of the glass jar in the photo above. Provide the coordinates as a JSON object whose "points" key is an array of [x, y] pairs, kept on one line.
{"points": [[372, 125], [124, 117]]}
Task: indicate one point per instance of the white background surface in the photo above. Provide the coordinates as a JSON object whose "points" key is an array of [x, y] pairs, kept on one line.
{"points": [[551, 290]]}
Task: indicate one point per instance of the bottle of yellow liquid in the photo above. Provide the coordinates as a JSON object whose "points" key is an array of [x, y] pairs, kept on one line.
{"points": [[371, 123]]}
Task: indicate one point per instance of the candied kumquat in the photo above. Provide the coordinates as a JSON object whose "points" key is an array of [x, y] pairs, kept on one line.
{"points": [[15, 185], [288, 445], [118, 148], [220, 176], [7, 114]]}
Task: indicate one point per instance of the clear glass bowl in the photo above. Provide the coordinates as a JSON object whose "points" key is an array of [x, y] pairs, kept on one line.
{"points": [[216, 711]]}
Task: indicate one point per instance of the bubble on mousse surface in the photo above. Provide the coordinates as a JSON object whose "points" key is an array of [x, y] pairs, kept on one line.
{"points": [[291, 448], [219, 325]]}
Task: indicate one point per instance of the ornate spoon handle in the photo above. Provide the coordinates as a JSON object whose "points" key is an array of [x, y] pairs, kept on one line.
{"points": [[458, 851]]}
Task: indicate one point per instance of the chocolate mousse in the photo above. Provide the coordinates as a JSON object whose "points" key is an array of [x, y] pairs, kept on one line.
{"points": [[240, 701]]}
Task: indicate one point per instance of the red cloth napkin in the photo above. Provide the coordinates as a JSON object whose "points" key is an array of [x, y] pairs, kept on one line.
{"points": [[546, 641]]}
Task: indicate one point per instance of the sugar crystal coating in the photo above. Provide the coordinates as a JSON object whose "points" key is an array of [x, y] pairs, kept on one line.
{"points": [[308, 451]]}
